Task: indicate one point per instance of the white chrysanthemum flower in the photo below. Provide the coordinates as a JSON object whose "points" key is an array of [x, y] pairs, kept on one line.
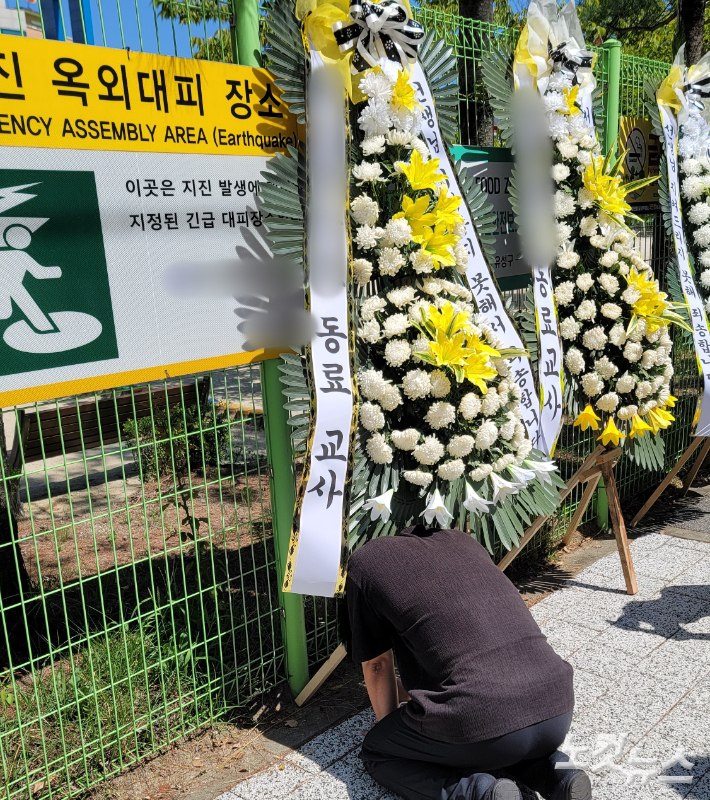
{"points": [[416, 384], [460, 446], [378, 449], [692, 187], [584, 282], [366, 237], [588, 142], [574, 361], [440, 414], [608, 402], [431, 286], [553, 101], [626, 412], [594, 338], [631, 295], [569, 328], [524, 449], [643, 389], [370, 306], [421, 148], [451, 470], [461, 256], [415, 314], [503, 462], [429, 451], [617, 335], [699, 213], [375, 119], [584, 157], [705, 258], [564, 293], [560, 172], [371, 417], [598, 241], [365, 210], [390, 261], [376, 85], [639, 331], [589, 225], [559, 80], [567, 150], [418, 477], [668, 371], [390, 397], [625, 383], [587, 309], [507, 429], [397, 232], [373, 145], [486, 435], [422, 263], [648, 359], [440, 384], [705, 278], [564, 203], [369, 331], [470, 406], [701, 236], [592, 384], [368, 172], [397, 138], [406, 439], [402, 297], [481, 472], [691, 166], [608, 260], [397, 352], [653, 336], [567, 259], [362, 271], [491, 403], [371, 383], [611, 310], [609, 282], [605, 368], [633, 351], [563, 232], [395, 325]]}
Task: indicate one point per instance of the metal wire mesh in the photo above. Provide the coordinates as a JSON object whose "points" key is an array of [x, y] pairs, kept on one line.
{"points": [[144, 601]]}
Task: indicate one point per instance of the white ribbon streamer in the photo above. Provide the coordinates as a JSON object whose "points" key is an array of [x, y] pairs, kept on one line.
{"points": [[698, 318], [479, 274], [320, 523]]}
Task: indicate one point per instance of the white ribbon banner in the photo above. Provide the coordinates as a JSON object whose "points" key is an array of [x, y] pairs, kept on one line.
{"points": [[698, 318], [479, 274], [549, 360], [319, 525]]}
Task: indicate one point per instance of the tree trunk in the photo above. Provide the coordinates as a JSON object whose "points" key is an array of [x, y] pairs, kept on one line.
{"points": [[475, 113], [691, 27], [14, 581]]}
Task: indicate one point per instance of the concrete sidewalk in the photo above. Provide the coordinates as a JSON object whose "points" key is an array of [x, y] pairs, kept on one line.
{"points": [[642, 683]]}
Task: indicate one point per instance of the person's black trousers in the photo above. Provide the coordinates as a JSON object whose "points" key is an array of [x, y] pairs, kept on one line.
{"points": [[419, 768]]}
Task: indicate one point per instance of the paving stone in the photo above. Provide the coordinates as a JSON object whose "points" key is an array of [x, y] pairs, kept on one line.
{"points": [[648, 543], [660, 565], [588, 688], [322, 751], [565, 637], [665, 665], [271, 783]]}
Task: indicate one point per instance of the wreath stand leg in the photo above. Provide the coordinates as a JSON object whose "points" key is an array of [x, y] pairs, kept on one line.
{"points": [[692, 447], [598, 465]]}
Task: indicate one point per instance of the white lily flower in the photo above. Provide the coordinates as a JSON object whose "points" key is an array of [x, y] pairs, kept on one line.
{"points": [[542, 469], [502, 488], [437, 510], [380, 507], [474, 502], [522, 476]]}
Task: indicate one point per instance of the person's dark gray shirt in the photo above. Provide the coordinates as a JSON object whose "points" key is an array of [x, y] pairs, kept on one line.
{"points": [[470, 655]]}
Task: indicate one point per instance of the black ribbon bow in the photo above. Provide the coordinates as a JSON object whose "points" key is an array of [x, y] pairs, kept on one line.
{"points": [[378, 30], [697, 92], [571, 63]]}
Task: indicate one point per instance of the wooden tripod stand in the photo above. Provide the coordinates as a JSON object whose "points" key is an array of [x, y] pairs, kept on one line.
{"points": [[600, 464], [689, 478]]}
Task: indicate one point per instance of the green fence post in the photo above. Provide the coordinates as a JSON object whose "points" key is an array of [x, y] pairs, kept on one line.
{"points": [[611, 69], [246, 39], [283, 496]]}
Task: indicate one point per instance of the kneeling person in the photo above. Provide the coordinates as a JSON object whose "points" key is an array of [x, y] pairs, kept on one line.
{"points": [[484, 689]]}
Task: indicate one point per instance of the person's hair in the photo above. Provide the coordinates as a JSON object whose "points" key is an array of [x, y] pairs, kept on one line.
{"points": [[345, 632]]}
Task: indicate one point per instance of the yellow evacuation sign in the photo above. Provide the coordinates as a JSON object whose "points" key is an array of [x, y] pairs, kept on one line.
{"points": [[114, 168]]}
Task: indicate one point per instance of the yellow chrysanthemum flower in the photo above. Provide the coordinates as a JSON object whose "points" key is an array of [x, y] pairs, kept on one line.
{"points": [[587, 419], [439, 244], [404, 94], [638, 427], [445, 209], [610, 434], [421, 175], [570, 96], [415, 212]]}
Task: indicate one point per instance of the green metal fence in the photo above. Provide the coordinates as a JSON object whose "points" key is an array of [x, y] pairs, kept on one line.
{"points": [[139, 590]]}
